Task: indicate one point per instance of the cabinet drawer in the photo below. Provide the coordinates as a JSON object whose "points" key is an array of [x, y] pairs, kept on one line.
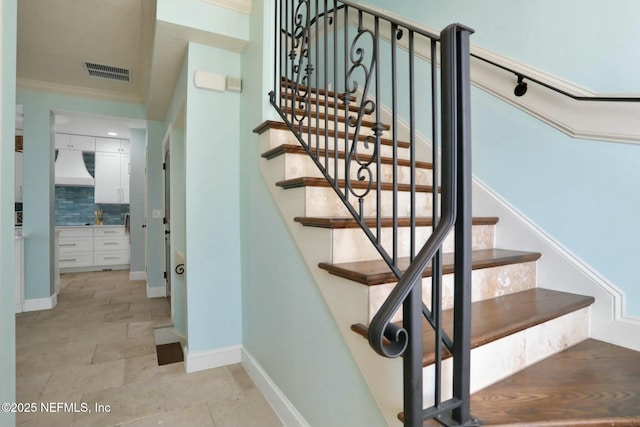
{"points": [[115, 243], [75, 232], [111, 257], [75, 244], [110, 231], [75, 259]]}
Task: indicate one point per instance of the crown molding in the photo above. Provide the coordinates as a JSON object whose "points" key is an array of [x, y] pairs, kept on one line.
{"points": [[41, 86], [242, 6]]}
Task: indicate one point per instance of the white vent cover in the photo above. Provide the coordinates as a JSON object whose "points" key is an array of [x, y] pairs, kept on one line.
{"points": [[107, 72]]}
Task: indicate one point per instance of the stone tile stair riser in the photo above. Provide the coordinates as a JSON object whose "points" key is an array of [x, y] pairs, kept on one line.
{"points": [[351, 244], [323, 201], [487, 283]]}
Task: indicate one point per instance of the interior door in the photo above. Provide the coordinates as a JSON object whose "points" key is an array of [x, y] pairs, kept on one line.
{"points": [[167, 222]]}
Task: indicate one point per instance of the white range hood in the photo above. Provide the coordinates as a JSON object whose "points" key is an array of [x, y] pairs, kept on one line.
{"points": [[71, 170]]}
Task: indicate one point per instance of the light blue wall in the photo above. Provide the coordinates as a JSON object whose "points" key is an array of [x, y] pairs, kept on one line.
{"points": [[580, 192], [136, 199], [212, 204], [286, 324], [38, 163], [8, 17]]}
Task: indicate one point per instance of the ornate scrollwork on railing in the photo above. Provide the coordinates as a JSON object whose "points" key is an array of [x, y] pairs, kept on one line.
{"points": [[301, 68], [179, 269], [359, 66]]}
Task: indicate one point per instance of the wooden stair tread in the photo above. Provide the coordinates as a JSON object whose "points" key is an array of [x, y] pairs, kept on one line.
{"points": [[306, 181], [330, 102], [593, 384], [502, 316], [331, 118], [377, 272], [272, 124], [298, 149], [348, 222], [288, 83]]}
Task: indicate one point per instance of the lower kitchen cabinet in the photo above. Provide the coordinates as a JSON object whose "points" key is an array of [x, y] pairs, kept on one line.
{"points": [[93, 248], [110, 246]]}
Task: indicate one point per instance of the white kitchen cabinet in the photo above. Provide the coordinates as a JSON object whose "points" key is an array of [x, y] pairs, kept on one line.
{"points": [[113, 145], [111, 246], [18, 178], [93, 248], [75, 142], [112, 177], [75, 247]]}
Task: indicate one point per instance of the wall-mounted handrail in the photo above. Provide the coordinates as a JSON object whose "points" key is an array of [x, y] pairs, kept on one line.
{"points": [[522, 76]]}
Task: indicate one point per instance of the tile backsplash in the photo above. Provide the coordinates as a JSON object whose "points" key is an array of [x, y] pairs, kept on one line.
{"points": [[75, 205]]}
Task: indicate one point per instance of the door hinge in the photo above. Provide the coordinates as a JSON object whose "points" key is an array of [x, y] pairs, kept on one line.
{"points": [[164, 166], [165, 274]]}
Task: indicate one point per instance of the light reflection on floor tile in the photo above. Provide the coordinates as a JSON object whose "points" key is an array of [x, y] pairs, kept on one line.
{"points": [[96, 348]]}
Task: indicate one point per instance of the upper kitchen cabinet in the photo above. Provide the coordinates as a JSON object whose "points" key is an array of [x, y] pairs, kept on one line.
{"points": [[75, 142], [113, 170], [112, 145]]}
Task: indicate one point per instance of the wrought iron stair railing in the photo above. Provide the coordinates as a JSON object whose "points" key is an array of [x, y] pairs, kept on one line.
{"points": [[337, 58]]}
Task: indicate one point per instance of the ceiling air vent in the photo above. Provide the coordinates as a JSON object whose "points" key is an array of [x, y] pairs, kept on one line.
{"points": [[107, 72]]}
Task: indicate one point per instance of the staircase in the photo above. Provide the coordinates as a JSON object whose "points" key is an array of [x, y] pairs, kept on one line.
{"points": [[515, 323], [532, 362]]}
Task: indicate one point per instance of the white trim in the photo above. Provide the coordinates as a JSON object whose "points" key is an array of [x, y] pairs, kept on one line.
{"points": [[41, 86], [38, 304], [156, 291], [242, 6], [207, 359], [282, 406], [561, 269], [137, 275]]}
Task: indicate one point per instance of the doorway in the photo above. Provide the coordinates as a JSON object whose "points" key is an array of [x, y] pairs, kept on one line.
{"points": [[167, 222]]}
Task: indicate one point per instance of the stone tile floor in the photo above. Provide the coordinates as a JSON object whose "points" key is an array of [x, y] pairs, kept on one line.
{"points": [[96, 347]]}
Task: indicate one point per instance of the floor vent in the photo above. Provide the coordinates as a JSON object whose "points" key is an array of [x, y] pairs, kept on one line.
{"points": [[107, 72]]}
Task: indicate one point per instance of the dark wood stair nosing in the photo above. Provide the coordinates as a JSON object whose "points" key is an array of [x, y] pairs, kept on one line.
{"points": [[307, 181], [331, 118], [349, 222], [298, 149], [273, 124], [330, 103], [288, 83], [504, 315], [376, 272]]}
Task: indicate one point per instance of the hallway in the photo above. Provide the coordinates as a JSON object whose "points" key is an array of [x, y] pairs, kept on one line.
{"points": [[96, 347]]}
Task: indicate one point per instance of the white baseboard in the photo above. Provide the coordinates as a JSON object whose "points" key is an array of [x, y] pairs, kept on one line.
{"points": [[207, 359], [38, 304], [282, 406], [156, 291], [137, 275]]}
